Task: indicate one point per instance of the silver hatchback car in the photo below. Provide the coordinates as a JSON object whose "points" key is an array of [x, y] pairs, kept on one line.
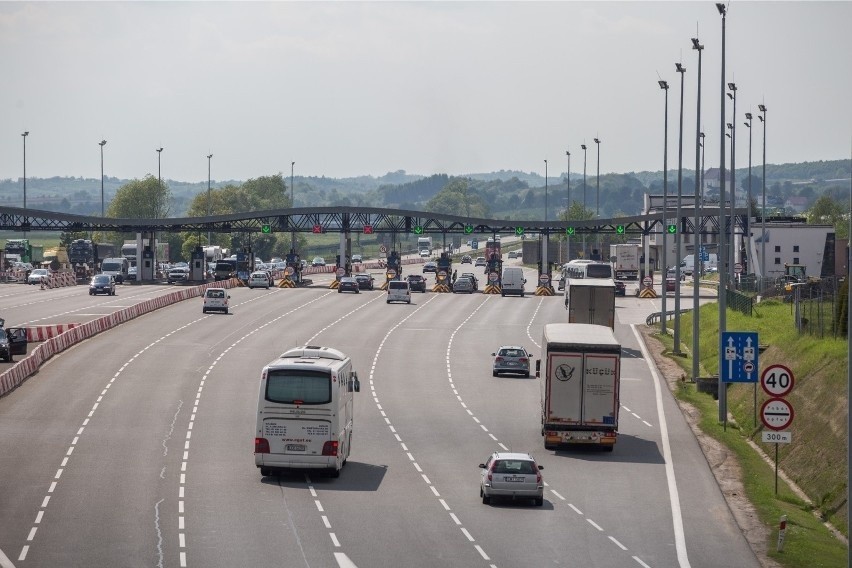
{"points": [[511, 475], [511, 359]]}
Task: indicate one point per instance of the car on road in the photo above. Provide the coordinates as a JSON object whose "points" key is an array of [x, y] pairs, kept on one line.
{"points": [[430, 266], [348, 284], [466, 259], [514, 254], [131, 273], [37, 274], [258, 279], [215, 300], [480, 261], [102, 284], [365, 281], [671, 284], [620, 288], [425, 253], [357, 259], [463, 284], [178, 274], [472, 278], [511, 359], [513, 476], [318, 261], [13, 341], [416, 283], [399, 291]]}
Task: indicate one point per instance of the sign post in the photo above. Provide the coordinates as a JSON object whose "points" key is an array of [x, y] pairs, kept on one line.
{"points": [[776, 413]]}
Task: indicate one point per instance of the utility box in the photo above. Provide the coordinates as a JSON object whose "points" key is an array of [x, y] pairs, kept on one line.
{"points": [[147, 271], [197, 268]]}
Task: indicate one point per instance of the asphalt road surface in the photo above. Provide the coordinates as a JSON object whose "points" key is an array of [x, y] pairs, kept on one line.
{"points": [[134, 448]]}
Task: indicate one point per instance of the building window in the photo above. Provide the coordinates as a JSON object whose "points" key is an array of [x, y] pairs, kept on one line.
{"points": [[777, 248], [796, 249], [777, 261], [795, 260]]}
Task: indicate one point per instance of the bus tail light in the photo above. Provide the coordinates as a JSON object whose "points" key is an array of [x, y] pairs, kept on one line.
{"points": [[261, 446], [329, 448]]}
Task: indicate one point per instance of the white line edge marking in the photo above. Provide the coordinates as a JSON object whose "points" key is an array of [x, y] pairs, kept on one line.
{"points": [[674, 499]]}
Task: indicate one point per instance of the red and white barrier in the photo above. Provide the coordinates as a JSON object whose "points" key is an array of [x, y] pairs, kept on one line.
{"points": [[45, 332]]}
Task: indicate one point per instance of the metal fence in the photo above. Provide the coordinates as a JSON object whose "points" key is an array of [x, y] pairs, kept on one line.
{"points": [[816, 308]]}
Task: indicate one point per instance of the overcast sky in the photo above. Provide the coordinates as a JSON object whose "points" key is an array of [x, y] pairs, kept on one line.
{"points": [[348, 88]]}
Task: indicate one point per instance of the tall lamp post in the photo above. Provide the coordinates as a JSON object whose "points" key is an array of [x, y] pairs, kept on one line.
{"points": [[545, 263], [734, 249], [568, 207], [156, 210], [665, 87], [209, 211], [697, 261], [102, 143], [292, 204], [598, 194], [762, 109], [24, 135], [749, 259], [722, 257], [583, 146], [678, 238]]}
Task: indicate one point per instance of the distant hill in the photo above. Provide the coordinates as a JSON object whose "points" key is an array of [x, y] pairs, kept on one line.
{"points": [[509, 193]]}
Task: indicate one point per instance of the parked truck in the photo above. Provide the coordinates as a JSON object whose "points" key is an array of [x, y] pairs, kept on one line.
{"points": [[591, 301], [580, 388], [625, 260]]}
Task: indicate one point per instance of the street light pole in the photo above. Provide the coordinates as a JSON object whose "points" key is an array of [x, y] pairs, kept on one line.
{"points": [[156, 210], [665, 87], [722, 256], [750, 260], [292, 204], [734, 249], [545, 263], [102, 143], [568, 208], [24, 135], [598, 195], [209, 211], [762, 109], [583, 146], [678, 238], [697, 245]]}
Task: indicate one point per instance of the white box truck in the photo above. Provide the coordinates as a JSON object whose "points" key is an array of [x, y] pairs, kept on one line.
{"points": [[625, 261], [591, 300], [580, 387]]}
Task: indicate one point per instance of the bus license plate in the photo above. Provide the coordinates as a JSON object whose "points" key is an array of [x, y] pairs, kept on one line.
{"points": [[295, 447]]}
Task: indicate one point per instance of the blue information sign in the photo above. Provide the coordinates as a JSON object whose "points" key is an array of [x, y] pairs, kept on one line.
{"points": [[738, 359], [704, 256]]}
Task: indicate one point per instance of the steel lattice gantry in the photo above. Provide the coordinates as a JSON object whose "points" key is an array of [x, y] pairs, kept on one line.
{"points": [[365, 220]]}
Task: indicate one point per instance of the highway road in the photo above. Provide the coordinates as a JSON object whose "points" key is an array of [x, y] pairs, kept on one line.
{"points": [[134, 448]]}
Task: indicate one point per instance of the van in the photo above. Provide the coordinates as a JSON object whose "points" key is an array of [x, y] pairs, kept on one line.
{"points": [[118, 268], [215, 299], [513, 281], [399, 291], [687, 265]]}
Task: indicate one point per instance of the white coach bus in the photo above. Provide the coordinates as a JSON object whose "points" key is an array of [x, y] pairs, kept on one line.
{"points": [[304, 411]]}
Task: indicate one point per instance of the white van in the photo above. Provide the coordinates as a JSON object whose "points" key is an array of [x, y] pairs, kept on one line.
{"points": [[118, 268], [513, 281], [687, 265], [304, 411], [399, 291]]}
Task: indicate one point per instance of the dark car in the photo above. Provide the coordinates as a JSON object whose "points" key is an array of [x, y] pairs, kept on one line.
{"points": [[348, 284], [365, 281], [417, 283], [466, 259], [472, 278], [463, 284], [13, 341], [430, 266], [102, 284], [620, 288]]}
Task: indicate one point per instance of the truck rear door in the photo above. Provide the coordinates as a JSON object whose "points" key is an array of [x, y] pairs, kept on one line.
{"points": [[601, 374], [564, 388]]}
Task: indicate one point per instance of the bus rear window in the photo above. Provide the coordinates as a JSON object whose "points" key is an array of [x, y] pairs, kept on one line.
{"points": [[290, 386], [598, 271]]}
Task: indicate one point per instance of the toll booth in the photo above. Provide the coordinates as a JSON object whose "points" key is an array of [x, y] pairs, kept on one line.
{"points": [[493, 274], [442, 277], [294, 263], [147, 269], [245, 263], [197, 268]]}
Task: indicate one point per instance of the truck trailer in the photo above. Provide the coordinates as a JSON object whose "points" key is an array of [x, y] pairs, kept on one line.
{"points": [[580, 387], [625, 260], [591, 300]]}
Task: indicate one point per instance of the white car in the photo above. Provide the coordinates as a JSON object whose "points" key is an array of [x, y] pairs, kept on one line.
{"points": [[37, 274], [513, 476], [424, 254], [215, 299], [259, 279]]}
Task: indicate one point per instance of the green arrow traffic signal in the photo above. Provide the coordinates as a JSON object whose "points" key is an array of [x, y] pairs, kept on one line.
{"points": [[265, 229], [418, 230], [468, 229], [519, 231], [619, 229], [570, 231], [672, 229]]}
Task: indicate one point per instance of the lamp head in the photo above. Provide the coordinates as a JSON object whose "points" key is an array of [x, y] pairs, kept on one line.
{"points": [[730, 126], [209, 156], [701, 134], [27, 133], [696, 45], [748, 115], [762, 108], [730, 96], [583, 146], [761, 118], [597, 141], [721, 8], [159, 149], [663, 84], [567, 153], [680, 68], [732, 86], [102, 143]]}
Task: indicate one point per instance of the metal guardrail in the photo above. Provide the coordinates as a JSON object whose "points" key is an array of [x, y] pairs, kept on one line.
{"points": [[655, 317]]}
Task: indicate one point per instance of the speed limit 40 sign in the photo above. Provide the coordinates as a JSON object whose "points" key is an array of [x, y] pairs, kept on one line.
{"points": [[777, 380]]}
